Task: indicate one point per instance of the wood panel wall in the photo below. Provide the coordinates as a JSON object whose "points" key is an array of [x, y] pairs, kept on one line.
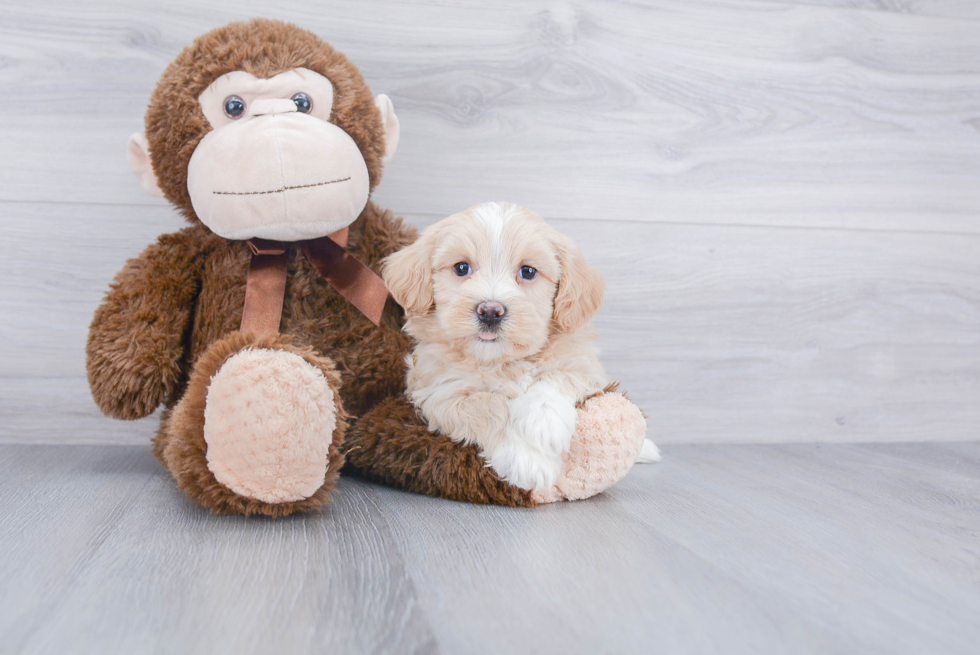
{"points": [[784, 196]]}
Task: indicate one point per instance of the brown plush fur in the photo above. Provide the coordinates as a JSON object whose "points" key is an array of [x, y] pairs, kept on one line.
{"points": [[178, 306], [135, 351], [180, 441], [391, 444], [171, 316]]}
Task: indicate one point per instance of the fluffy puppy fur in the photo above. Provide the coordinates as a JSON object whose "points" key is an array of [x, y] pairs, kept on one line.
{"points": [[499, 303]]}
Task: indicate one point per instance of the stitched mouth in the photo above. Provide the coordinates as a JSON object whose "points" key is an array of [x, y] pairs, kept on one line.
{"points": [[279, 190]]}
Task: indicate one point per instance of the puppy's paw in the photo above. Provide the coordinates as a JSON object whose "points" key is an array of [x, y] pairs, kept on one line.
{"points": [[649, 453], [524, 466], [543, 418]]}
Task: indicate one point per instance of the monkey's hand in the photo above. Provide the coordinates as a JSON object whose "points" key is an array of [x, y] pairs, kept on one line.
{"points": [[134, 355]]}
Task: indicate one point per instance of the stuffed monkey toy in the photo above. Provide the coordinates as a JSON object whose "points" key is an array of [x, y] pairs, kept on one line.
{"points": [[263, 327]]}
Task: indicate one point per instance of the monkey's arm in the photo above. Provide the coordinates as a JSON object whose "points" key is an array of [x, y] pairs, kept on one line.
{"points": [[135, 350]]}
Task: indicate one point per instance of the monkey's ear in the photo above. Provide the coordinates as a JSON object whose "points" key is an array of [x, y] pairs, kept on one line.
{"points": [[139, 161], [390, 124]]}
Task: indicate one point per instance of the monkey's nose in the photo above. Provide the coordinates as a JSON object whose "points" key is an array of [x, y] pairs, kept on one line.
{"points": [[490, 313], [266, 106]]}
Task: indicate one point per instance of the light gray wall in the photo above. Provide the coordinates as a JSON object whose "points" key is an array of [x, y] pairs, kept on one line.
{"points": [[783, 196]]}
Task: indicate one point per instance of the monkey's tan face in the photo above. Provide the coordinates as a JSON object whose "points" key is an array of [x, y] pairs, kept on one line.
{"points": [[273, 166]]}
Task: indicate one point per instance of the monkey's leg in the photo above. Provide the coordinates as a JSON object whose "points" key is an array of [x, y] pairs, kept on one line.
{"points": [[258, 430], [392, 445], [609, 436]]}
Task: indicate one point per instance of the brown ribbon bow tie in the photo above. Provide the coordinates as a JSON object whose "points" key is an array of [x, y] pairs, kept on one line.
{"points": [[265, 287]]}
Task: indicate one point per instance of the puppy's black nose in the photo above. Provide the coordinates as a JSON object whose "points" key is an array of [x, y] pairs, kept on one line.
{"points": [[490, 313]]}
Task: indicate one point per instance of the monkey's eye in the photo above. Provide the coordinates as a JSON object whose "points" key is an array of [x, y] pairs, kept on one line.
{"points": [[528, 272], [234, 107], [462, 269], [303, 103]]}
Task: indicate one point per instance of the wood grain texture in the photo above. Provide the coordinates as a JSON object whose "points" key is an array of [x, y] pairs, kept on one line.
{"points": [[128, 578], [782, 195], [943, 8], [834, 548], [729, 111], [720, 333]]}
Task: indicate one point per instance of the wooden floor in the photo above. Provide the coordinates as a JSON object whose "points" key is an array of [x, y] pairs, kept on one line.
{"points": [[720, 549]]}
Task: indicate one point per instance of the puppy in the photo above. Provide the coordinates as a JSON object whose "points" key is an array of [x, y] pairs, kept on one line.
{"points": [[499, 303]]}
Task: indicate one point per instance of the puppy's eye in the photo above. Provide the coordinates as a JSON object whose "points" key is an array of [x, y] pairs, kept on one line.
{"points": [[234, 107], [528, 272], [303, 103], [462, 269]]}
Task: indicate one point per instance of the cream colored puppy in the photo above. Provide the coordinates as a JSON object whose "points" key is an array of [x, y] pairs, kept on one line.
{"points": [[500, 303]]}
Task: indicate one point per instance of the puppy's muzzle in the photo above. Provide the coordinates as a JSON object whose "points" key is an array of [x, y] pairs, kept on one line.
{"points": [[491, 314]]}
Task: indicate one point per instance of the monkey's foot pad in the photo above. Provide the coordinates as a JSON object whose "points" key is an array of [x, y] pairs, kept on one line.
{"points": [[607, 441], [268, 424]]}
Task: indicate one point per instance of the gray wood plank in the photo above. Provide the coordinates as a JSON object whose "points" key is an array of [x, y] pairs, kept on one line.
{"points": [[727, 334], [774, 515], [61, 506], [695, 111], [943, 8], [581, 578], [721, 333], [61, 410], [166, 577], [803, 548], [798, 534]]}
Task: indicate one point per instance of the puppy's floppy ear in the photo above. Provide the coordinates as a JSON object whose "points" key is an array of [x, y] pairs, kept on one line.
{"points": [[580, 287], [408, 274]]}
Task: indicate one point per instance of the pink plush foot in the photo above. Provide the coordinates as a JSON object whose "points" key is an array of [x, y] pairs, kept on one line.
{"points": [[607, 441], [268, 424]]}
